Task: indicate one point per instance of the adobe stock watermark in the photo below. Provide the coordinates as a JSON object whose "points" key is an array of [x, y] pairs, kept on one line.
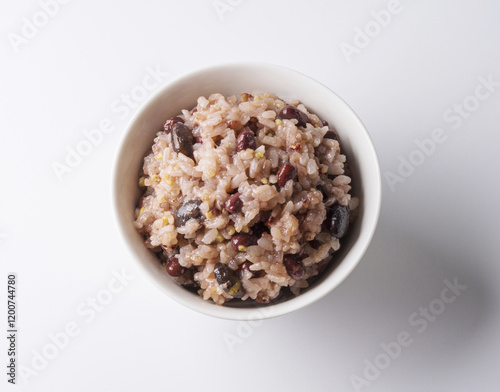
{"points": [[121, 107], [31, 26], [245, 329], [364, 36], [454, 117], [419, 321], [222, 7], [86, 311]]}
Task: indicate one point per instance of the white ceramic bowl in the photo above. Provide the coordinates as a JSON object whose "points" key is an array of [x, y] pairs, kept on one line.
{"points": [[229, 79]]}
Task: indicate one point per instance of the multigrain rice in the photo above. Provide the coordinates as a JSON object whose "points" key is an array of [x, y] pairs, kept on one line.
{"points": [[283, 170]]}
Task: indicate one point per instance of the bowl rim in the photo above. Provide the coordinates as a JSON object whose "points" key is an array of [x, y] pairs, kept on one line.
{"points": [[255, 312]]}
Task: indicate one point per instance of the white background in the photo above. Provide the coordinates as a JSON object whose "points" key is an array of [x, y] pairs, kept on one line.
{"points": [[441, 223]]}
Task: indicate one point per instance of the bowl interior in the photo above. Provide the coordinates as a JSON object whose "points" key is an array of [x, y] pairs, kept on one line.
{"points": [[235, 79]]}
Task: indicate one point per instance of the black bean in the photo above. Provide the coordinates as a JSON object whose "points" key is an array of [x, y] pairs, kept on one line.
{"points": [[246, 139], [241, 241], [292, 113], [338, 220], [331, 135], [294, 267], [170, 123], [325, 123], [182, 139], [173, 267], [189, 210], [255, 274], [228, 280], [234, 203], [285, 173]]}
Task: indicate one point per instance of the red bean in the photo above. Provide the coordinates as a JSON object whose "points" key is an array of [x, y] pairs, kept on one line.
{"points": [[292, 113], [243, 240], [170, 123], [286, 172], [255, 274], [246, 139], [173, 267], [294, 267], [253, 124], [234, 203], [246, 266]]}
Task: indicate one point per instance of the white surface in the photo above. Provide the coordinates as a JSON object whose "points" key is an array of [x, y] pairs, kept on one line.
{"points": [[441, 223], [233, 79]]}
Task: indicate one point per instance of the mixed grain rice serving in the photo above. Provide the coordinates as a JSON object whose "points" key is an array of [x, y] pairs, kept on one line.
{"points": [[245, 197]]}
